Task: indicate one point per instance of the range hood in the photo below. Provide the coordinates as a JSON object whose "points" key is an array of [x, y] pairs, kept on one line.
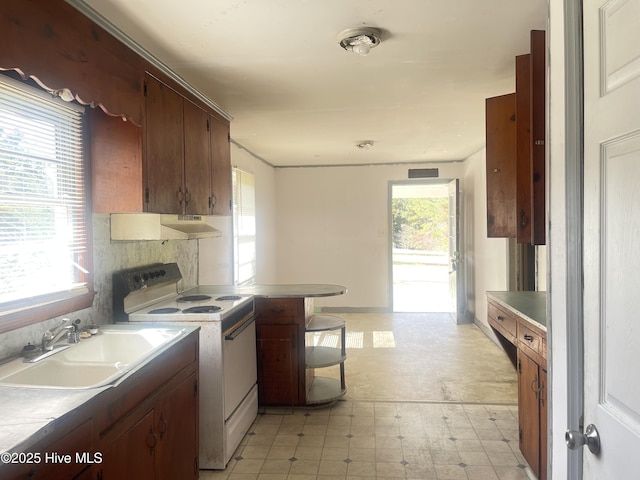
{"points": [[155, 226]]}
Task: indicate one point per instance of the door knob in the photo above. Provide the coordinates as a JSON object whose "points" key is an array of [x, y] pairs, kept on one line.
{"points": [[590, 438]]}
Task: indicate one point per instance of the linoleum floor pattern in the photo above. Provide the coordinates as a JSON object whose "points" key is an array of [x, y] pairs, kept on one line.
{"points": [[426, 399]]}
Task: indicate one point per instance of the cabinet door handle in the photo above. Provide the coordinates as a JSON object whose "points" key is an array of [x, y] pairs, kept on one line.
{"points": [[277, 310], [501, 318], [163, 426], [180, 195], [536, 390], [187, 196], [528, 338], [152, 440]]}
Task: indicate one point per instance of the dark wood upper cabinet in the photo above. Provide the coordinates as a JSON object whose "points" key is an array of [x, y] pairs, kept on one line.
{"points": [[516, 152], [163, 149], [220, 166], [501, 165], [187, 157], [524, 207], [197, 160], [538, 136], [116, 164]]}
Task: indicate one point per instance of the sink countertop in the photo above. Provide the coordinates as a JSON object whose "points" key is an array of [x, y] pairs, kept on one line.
{"points": [[275, 291], [531, 306], [29, 414]]}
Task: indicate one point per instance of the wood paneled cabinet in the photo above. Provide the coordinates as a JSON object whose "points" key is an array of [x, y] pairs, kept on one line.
{"points": [[501, 165], [280, 337], [532, 413], [278, 369], [525, 344], [177, 161], [515, 129], [160, 443], [221, 166]]}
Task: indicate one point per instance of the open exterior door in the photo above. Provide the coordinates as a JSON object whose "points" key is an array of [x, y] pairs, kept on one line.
{"points": [[611, 261], [456, 273]]}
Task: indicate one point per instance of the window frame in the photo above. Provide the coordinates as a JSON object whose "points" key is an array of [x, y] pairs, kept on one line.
{"points": [[31, 310], [239, 239]]}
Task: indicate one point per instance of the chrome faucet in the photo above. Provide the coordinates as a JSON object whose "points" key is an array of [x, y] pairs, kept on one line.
{"points": [[67, 327]]}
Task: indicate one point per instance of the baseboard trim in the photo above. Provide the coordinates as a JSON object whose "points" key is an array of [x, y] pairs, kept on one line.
{"points": [[353, 310]]}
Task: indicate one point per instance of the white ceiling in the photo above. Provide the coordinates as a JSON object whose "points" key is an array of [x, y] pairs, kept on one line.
{"points": [[297, 98]]}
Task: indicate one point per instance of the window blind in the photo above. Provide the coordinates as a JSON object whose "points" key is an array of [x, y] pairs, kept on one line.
{"points": [[244, 227], [43, 231]]}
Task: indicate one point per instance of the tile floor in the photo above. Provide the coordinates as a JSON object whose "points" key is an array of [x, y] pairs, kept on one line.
{"points": [[426, 399]]}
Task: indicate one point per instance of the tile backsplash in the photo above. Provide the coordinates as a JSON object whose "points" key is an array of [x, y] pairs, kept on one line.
{"points": [[109, 257]]}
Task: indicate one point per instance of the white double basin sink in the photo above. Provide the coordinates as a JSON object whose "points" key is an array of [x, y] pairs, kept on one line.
{"points": [[94, 362]]}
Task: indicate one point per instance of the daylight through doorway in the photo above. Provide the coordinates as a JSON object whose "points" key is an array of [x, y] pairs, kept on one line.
{"points": [[420, 248]]}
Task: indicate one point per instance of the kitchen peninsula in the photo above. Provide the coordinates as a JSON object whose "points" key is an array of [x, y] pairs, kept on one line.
{"points": [[284, 313]]}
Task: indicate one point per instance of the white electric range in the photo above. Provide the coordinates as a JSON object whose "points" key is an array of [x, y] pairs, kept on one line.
{"points": [[228, 366]]}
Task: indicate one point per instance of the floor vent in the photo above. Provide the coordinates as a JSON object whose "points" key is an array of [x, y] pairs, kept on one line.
{"points": [[423, 173]]}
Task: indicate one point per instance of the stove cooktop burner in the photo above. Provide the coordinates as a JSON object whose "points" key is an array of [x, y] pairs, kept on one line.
{"points": [[228, 297], [193, 298], [165, 310], [202, 309]]}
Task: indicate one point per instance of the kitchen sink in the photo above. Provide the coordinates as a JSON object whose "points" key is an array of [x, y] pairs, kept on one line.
{"points": [[94, 362], [119, 346], [54, 373]]}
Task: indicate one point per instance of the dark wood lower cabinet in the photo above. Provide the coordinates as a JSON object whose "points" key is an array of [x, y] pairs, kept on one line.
{"points": [[280, 335], [132, 455], [529, 411], [163, 433], [525, 344], [277, 364], [543, 424]]}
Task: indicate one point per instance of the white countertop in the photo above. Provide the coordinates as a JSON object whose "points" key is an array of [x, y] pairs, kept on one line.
{"points": [[532, 306]]}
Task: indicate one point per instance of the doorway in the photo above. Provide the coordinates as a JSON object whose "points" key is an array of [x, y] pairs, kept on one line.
{"points": [[424, 246]]}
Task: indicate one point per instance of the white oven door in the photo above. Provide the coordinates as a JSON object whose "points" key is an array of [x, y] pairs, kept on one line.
{"points": [[240, 364]]}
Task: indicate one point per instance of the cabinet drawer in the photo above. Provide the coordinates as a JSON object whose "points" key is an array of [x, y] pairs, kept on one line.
{"points": [[502, 321], [529, 338], [280, 310]]}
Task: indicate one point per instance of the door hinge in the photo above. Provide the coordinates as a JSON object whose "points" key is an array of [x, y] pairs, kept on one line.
{"points": [[520, 434], [196, 467], [144, 88], [207, 124], [229, 137], [146, 195], [195, 388], [519, 366]]}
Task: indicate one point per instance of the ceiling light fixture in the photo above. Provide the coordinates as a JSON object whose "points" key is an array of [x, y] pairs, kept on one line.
{"points": [[360, 40], [365, 145]]}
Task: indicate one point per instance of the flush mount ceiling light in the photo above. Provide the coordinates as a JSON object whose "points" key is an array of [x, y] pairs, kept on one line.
{"points": [[360, 40], [364, 145]]}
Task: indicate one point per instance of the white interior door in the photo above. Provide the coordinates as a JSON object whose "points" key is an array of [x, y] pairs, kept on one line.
{"points": [[612, 235]]}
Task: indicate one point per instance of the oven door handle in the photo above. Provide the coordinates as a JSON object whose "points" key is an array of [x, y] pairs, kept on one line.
{"points": [[233, 334]]}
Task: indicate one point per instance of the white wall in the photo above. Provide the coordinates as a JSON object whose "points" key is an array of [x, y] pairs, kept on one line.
{"points": [[486, 259], [216, 254], [333, 227]]}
